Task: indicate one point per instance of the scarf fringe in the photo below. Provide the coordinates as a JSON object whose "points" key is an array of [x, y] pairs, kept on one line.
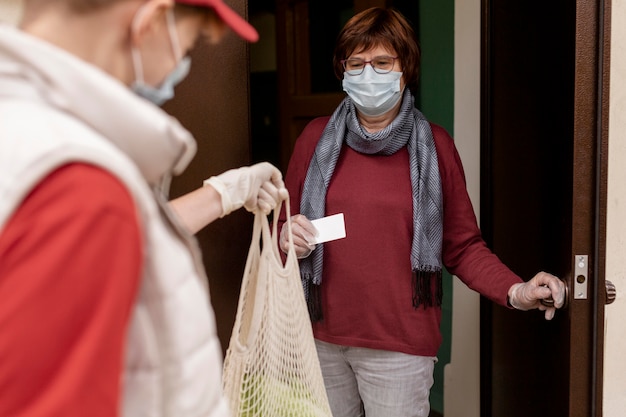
{"points": [[423, 291], [314, 303]]}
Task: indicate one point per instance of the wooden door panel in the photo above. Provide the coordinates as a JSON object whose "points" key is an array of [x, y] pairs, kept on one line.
{"points": [[305, 34], [541, 201]]}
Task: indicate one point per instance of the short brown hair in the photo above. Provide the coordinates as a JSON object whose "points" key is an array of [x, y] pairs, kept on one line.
{"points": [[380, 27]]}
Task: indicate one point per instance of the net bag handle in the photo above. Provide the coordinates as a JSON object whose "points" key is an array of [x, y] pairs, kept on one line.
{"points": [[250, 307]]}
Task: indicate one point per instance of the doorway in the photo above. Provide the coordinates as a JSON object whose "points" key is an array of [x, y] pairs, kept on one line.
{"points": [[292, 82], [543, 200]]}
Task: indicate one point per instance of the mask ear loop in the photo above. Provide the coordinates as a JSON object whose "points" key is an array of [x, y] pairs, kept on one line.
{"points": [[137, 64], [173, 31], [134, 51], [174, 40]]}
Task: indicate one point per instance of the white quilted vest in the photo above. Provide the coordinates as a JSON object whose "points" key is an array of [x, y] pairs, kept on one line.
{"points": [[66, 110]]}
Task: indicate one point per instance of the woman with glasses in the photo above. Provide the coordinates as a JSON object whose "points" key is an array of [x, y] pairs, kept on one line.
{"points": [[375, 297]]}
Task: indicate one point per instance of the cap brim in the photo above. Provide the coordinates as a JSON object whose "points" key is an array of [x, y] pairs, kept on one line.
{"points": [[237, 23]]}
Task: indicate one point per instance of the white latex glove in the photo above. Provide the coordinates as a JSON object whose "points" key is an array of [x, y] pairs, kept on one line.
{"points": [[528, 295], [303, 233], [256, 187]]}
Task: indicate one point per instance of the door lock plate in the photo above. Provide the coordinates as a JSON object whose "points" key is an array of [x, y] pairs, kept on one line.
{"points": [[581, 276]]}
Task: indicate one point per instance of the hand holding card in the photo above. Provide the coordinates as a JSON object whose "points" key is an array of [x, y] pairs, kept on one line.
{"points": [[329, 228]]}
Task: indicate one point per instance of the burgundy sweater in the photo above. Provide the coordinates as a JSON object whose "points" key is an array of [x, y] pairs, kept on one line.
{"points": [[367, 280]]}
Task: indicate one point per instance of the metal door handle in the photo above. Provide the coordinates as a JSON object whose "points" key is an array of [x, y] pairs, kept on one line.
{"points": [[549, 302], [611, 292]]}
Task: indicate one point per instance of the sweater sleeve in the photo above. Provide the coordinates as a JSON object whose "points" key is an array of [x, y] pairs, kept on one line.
{"points": [[70, 260], [465, 253]]}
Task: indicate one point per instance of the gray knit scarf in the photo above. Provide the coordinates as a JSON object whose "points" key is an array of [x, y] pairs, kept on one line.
{"points": [[410, 128]]}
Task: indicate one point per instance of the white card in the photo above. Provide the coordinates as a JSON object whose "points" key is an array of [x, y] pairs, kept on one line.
{"points": [[329, 228]]}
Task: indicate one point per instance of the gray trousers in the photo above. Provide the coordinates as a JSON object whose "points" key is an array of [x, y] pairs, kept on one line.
{"points": [[375, 383]]}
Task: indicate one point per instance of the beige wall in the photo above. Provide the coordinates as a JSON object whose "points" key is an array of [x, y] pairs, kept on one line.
{"points": [[462, 374], [615, 335]]}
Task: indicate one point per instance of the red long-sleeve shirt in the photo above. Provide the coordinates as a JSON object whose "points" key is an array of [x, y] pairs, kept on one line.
{"points": [[366, 284], [70, 260]]}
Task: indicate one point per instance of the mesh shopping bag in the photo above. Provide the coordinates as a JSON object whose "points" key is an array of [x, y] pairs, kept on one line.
{"points": [[271, 367]]}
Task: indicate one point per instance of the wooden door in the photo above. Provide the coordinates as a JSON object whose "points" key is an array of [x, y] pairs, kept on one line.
{"points": [[305, 35], [543, 200]]}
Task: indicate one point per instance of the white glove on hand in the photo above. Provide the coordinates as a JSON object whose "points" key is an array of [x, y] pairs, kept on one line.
{"points": [[528, 295], [256, 187], [303, 233]]}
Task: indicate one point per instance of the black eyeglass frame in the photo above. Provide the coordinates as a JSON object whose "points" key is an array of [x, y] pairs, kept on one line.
{"points": [[371, 62]]}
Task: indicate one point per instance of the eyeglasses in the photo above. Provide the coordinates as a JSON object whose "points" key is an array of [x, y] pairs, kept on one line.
{"points": [[380, 64]]}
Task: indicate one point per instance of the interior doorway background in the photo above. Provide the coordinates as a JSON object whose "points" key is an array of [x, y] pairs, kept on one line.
{"points": [[433, 21]]}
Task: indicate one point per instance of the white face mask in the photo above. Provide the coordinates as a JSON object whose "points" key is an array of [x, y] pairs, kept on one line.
{"points": [[165, 91], [373, 94]]}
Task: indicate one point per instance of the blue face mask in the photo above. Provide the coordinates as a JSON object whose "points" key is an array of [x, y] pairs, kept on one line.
{"points": [[165, 91], [373, 94]]}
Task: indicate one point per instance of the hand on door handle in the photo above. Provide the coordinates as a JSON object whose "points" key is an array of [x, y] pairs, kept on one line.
{"points": [[549, 302], [528, 295]]}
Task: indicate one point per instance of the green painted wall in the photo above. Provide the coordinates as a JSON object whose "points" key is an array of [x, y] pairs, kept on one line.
{"points": [[436, 36]]}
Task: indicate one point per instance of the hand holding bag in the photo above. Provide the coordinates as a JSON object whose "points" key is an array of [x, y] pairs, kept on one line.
{"points": [[271, 367]]}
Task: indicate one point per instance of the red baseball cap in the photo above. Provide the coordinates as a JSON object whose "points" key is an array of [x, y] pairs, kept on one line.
{"points": [[237, 23]]}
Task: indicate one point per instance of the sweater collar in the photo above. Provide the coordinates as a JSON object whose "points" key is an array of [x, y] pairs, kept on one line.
{"points": [[36, 70]]}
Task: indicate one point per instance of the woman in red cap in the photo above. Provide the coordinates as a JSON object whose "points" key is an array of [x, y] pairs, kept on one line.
{"points": [[103, 305]]}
